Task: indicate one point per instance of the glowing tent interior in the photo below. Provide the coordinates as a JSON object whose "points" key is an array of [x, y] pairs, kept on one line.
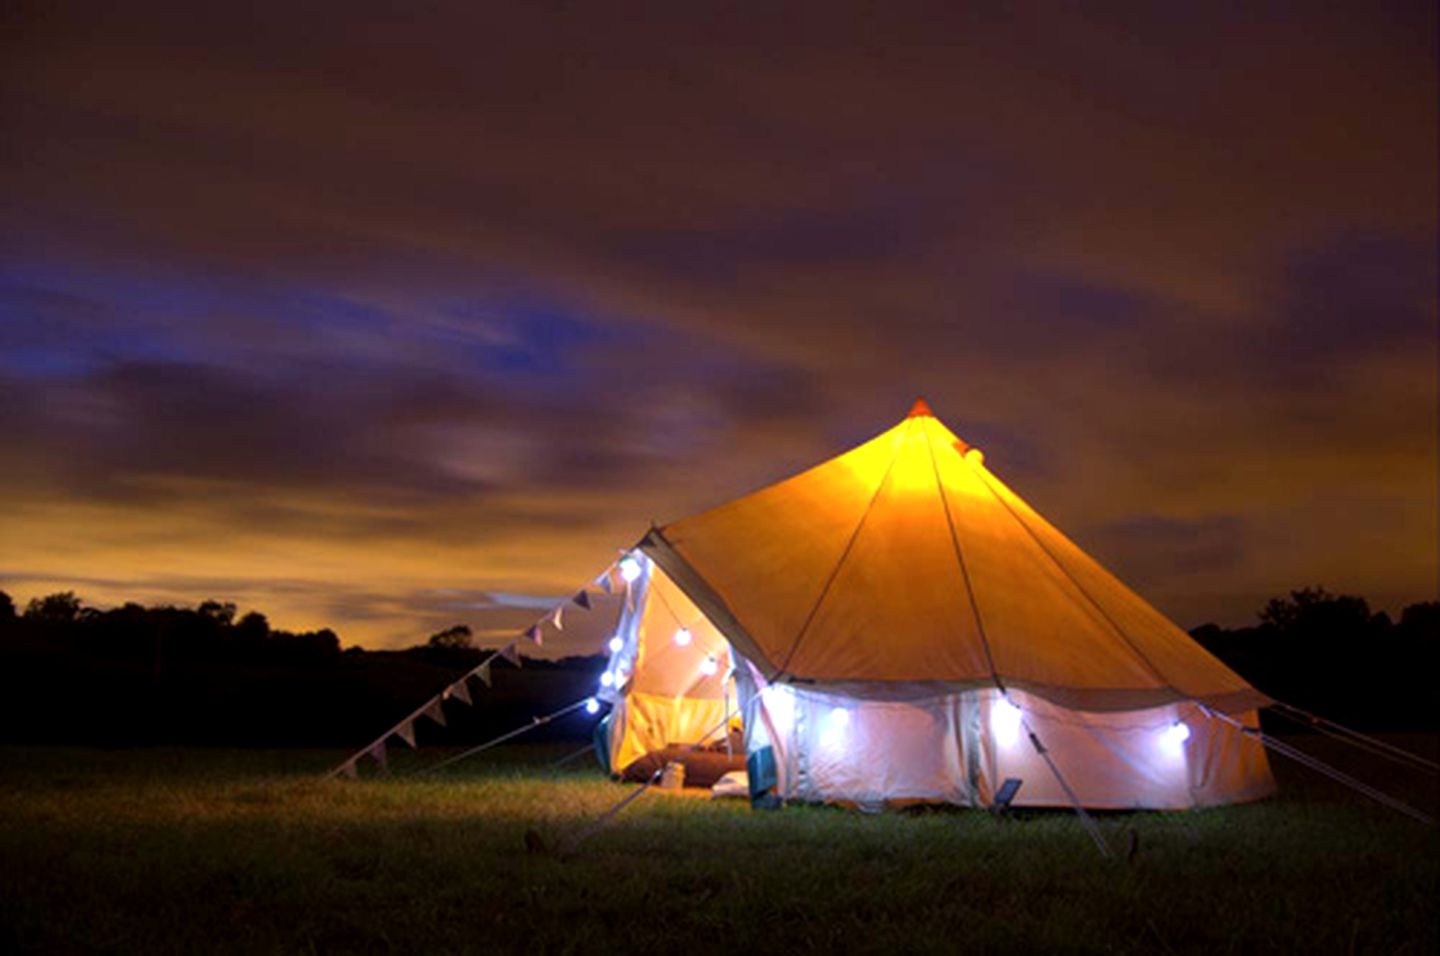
{"points": [[896, 625]]}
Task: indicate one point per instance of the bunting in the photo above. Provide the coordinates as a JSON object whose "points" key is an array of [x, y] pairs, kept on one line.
{"points": [[460, 689], [406, 732]]}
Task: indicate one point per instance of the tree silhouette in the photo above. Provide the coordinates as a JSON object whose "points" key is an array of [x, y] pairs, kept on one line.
{"points": [[253, 625], [7, 607], [62, 607], [222, 613], [455, 637], [1315, 612]]}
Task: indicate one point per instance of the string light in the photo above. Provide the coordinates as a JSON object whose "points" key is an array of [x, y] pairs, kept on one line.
{"points": [[709, 666], [616, 644], [833, 734], [1175, 735], [592, 706], [780, 705], [629, 570], [1005, 721], [682, 637]]}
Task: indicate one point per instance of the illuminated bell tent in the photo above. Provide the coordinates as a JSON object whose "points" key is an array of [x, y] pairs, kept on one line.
{"points": [[895, 626]]}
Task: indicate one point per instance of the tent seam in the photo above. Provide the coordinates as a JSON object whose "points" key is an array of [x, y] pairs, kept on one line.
{"points": [[1119, 631], [845, 554], [964, 569]]}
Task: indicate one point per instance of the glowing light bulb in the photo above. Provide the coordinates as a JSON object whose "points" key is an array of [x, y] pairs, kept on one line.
{"points": [[780, 706], [682, 637], [709, 666], [592, 706], [975, 456], [832, 733], [616, 644], [629, 570], [1005, 721], [607, 679], [1176, 735]]}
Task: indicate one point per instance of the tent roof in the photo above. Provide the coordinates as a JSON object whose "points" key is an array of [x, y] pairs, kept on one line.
{"points": [[905, 560]]}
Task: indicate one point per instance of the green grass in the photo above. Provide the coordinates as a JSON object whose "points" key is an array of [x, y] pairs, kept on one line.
{"points": [[192, 850]]}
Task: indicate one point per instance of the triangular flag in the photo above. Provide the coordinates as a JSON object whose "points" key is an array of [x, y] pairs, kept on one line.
{"points": [[510, 653], [460, 691], [406, 732], [377, 753], [582, 599], [348, 769], [556, 618], [436, 712], [606, 580], [483, 672], [535, 634]]}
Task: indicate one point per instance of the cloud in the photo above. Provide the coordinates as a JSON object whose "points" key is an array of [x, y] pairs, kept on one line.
{"points": [[392, 307]]}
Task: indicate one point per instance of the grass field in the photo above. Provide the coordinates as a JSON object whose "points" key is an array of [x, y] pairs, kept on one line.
{"points": [[190, 851]]}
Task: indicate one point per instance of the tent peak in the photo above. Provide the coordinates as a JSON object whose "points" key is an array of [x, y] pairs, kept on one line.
{"points": [[921, 409]]}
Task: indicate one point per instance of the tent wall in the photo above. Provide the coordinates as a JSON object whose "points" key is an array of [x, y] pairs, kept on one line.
{"points": [[957, 748]]}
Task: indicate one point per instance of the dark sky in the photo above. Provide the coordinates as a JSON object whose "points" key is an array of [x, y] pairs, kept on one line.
{"points": [[373, 315]]}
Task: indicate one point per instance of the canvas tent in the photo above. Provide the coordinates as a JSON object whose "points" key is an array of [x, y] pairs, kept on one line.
{"points": [[896, 625]]}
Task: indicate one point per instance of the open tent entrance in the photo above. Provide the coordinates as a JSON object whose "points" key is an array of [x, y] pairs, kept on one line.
{"points": [[670, 679]]}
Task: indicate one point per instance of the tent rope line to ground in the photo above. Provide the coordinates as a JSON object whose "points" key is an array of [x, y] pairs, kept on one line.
{"points": [[1316, 764]]}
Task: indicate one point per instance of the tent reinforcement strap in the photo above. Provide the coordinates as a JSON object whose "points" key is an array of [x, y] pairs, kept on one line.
{"points": [[849, 546], [1320, 766], [1060, 566], [964, 568], [535, 722], [1091, 827]]}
